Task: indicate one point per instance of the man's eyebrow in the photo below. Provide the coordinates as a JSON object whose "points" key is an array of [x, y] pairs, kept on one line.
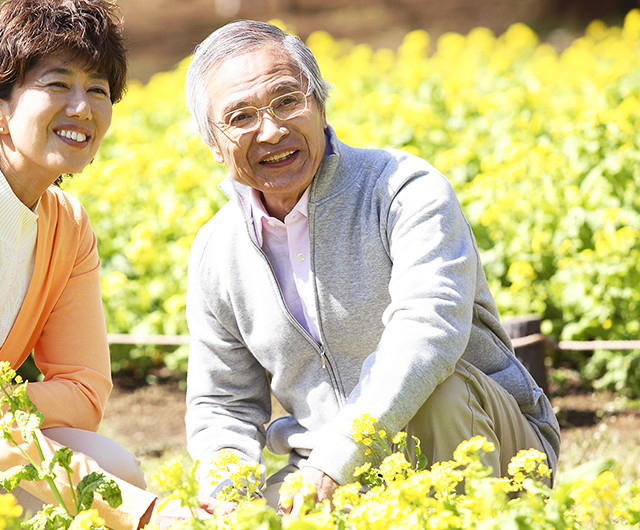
{"points": [[286, 86]]}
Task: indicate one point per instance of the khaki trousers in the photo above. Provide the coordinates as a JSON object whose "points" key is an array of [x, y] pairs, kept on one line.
{"points": [[469, 403], [109, 455]]}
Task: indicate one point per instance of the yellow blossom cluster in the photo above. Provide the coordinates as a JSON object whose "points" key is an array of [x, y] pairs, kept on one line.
{"points": [[10, 511], [459, 493], [243, 477], [363, 429]]}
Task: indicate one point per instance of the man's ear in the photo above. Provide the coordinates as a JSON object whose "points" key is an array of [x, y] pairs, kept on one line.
{"points": [[217, 154]]}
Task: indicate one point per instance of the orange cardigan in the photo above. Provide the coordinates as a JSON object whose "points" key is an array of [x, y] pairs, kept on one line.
{"points": [[62, 321]]}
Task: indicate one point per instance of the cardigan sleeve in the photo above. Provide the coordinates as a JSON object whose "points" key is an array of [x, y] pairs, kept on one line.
{"points": [[72, 350]]}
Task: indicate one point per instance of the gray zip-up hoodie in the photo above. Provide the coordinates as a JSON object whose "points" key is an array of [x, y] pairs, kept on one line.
{"points": [[400, 294]]}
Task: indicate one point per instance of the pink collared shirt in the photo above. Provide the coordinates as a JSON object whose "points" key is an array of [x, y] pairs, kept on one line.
{"points": [[286, 244]]}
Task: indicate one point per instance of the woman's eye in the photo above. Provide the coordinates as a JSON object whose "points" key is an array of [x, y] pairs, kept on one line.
{"points": [[100, 90]]}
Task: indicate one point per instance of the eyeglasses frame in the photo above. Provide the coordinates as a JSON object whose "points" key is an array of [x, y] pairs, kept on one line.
{"points": [[225, 128]]}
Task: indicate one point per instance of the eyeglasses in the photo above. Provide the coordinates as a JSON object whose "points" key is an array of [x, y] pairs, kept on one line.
{"points": [[247, 119]]}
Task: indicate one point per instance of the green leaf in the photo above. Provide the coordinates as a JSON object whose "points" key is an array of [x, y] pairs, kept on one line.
{"points": [[28, 422], [421, 459], [63, 457], [49, 518], [10, 479], [21, 399], [98, 482]]}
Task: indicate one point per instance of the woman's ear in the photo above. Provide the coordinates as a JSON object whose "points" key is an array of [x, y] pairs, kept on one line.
{"points": [[4, 127]]}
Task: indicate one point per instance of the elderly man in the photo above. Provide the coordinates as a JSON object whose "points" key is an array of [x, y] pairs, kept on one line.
{"points": [[343, 280]]}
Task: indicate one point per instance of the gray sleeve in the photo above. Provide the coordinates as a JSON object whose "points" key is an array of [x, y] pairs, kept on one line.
{"points": [[427, 323]]}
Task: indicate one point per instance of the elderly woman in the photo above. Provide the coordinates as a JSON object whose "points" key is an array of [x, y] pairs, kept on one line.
{"points": [[62, 66]]}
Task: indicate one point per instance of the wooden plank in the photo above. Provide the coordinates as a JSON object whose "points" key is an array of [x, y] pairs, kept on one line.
{"points": [[160, 340], [590, 345]]}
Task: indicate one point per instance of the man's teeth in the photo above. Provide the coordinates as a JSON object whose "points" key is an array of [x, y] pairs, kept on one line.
{"points": [[72, 135], [278, 158]]}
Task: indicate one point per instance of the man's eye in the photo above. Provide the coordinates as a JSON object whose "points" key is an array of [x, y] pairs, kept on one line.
{"points": [[288, 101], [240, 118]]}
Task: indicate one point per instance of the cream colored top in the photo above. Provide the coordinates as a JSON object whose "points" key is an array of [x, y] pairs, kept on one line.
{"points": [[18, 233]]}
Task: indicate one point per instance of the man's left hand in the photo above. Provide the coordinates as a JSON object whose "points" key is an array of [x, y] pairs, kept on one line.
{"points": [[324, 485]]}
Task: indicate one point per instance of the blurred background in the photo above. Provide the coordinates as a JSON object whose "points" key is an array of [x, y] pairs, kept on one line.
{"points": [[163, 32]]}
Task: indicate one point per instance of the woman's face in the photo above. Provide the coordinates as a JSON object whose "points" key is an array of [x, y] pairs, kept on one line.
{"points": [[53, 123]]}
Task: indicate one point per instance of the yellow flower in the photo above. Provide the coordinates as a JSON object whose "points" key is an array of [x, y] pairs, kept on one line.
{"points": [[9, 508], [444, 520], [400, 438], [219, 468], [169, 475], [87, 520], [470, 450], [362, 469], [363, 428], [395, 467], [444, 477], [295, 484], [528, 462], [521, 274], [346, 497]]}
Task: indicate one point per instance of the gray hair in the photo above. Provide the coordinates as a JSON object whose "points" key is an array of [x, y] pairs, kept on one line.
{"points": [[234, 39]]}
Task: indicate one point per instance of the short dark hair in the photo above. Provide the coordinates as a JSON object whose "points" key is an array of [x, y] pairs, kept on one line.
{"points": [[89, 30]]}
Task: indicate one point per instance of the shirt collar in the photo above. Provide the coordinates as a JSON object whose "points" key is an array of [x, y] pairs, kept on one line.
{"points": [[16, 219], [258, 211]]}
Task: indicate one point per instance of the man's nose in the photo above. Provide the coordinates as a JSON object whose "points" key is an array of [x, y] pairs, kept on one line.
{"points": [[271, 129]]}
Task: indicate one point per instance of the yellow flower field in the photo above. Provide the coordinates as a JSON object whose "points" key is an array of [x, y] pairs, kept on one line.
{"points": [[541, 145]]}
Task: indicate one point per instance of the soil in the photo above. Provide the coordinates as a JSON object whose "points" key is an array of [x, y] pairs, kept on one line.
{"points": [[148, 419]]}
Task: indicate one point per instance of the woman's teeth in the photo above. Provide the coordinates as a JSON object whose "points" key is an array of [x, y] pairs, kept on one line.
{"points": [[72, 135]]}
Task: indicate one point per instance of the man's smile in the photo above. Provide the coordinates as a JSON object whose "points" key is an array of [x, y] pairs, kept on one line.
{"points": [[278, 158]]}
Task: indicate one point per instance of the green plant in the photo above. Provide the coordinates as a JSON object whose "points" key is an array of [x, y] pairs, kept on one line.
{"points": [[21, 423]]}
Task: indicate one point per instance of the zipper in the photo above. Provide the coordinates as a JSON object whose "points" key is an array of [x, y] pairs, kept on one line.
{"points": [[326, 363]]}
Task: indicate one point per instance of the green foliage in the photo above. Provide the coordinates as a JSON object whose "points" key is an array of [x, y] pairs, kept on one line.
{"points": [[19, 410], [542, 147]]}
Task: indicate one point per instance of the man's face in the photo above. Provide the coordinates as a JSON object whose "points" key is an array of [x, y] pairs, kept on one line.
{"points": [[280, 158]]}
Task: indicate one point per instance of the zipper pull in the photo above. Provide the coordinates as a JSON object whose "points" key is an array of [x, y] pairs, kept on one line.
{"points": [[322, 357]]}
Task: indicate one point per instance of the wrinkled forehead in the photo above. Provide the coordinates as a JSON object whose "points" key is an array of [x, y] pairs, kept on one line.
{"points": [[253, 78]]}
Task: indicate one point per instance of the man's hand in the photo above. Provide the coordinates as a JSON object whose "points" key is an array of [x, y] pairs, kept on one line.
{"points": [[324, 485], [174, 512]]}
